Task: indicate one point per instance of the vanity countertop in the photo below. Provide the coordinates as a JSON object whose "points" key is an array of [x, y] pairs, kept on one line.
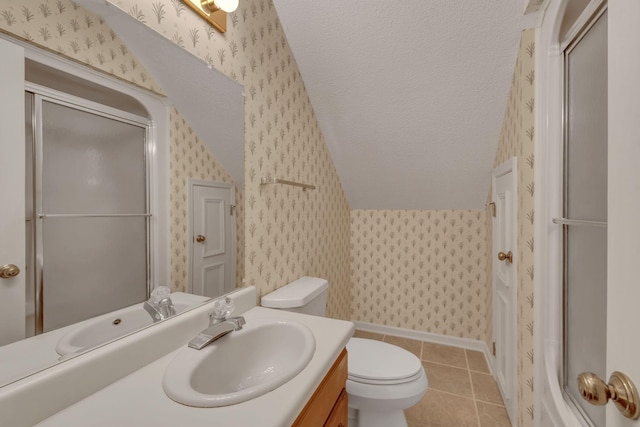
{"points": [[139, 400]]}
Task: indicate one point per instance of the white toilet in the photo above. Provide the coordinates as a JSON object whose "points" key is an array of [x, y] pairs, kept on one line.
{"points": [[383, 381]]}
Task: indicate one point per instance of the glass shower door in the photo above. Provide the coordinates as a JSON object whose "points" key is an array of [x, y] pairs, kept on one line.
{"points": [[585, 215], [92, 213]]}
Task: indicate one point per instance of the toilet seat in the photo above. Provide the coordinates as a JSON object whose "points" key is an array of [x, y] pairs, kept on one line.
{"points": [[380, 363], [385, 382]]}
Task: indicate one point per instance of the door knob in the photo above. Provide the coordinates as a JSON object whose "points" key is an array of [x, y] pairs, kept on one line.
{"points": [[200, 238], [8, 271], [620, 389], [508, 256]]}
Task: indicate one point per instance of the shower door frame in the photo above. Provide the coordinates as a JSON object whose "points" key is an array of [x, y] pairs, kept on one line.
{"points": [[550, 407], [574, 400], [158, 109], [44, 94]]}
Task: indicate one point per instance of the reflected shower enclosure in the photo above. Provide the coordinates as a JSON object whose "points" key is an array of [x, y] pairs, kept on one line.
{"points": [[87, 209]]}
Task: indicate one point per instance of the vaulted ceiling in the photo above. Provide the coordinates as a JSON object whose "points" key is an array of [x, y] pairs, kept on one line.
{"points": [[410, 95]]}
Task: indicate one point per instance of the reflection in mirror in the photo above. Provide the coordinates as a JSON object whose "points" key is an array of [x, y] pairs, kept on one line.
{"points": [[79, 332], [23, 358], [119, 323], [213, 106], [88, 209]]}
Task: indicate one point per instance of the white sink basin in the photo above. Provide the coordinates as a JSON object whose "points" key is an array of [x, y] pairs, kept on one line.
{"points": [[110, 326], [240, 366]]}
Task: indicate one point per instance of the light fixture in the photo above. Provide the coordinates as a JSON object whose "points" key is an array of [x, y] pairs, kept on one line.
{"points": [[224, 5], [213, 11]]}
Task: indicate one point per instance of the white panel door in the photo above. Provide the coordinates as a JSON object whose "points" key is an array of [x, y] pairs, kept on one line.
{"points": [[623, 246], [12, 191], [213, 239], [505, 284]]}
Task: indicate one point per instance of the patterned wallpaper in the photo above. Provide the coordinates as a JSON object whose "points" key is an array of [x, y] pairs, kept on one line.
{"points": [[420, 270], [517, 139], [71, 31], [289, 233], [88, 44], [440, 268], [190, 158]]}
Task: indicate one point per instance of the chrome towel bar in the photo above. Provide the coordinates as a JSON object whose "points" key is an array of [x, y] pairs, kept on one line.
{"points": [[267, 180], [41, 216], [566, 221]]}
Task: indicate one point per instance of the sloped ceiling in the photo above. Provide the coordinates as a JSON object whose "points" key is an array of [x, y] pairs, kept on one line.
{"points": [[410, 95]]}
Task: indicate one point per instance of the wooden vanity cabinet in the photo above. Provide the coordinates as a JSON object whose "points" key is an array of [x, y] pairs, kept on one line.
{"points": [[328, 407]]}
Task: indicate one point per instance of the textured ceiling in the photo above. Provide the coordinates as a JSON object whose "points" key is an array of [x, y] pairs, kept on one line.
{"points": [[410, 95]]}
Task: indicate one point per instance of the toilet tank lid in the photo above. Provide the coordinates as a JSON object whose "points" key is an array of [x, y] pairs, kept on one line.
{"points": [[295, 294]]}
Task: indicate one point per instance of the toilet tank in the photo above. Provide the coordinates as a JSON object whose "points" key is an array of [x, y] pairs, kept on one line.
{"points": [[307, 295]]}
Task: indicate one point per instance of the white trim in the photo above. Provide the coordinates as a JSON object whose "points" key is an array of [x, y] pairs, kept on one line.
{"points": [[466, 343], [549, 405], [508, 167]]}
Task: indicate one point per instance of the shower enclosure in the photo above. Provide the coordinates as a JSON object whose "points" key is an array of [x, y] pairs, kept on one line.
{"points": [[87, 209], [585, 214]]}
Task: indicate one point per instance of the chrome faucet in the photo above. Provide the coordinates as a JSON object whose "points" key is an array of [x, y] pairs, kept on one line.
{"points": [[219, 324], [216, 331], [159, 305]]}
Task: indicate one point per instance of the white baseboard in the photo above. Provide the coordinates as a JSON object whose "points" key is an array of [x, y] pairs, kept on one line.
{"points": [[466, 343]]}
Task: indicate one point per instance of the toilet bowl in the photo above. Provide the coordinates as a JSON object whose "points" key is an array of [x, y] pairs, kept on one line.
{"points": [[383, 379]]}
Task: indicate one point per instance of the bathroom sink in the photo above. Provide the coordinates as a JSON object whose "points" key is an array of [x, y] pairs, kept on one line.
{"points": [[240, 366], [110, 326]]}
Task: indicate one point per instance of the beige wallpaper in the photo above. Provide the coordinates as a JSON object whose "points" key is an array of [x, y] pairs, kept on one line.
{"points": [[420, 270], [517, 139], [82, 36], [190, 158], [71, 31], [288, 232]]}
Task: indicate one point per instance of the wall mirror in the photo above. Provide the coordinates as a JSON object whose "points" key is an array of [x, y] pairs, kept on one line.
{"points": [[212, 103]]}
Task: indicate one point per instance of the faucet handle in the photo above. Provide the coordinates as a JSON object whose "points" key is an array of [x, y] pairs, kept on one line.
{"points": [[222, 309], [239, 321], [159, 293]]}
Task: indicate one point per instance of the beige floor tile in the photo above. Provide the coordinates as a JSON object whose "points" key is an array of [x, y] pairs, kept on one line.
{"points": [[408, 344], [477, 361], [485, 388], [444, 354], [368, 335], [455, 376], [448, 379], [438, 409], [492, 415]]}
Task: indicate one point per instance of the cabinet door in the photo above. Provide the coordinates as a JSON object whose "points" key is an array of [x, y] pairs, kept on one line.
{"points": [[322, 404], [340, 413]]}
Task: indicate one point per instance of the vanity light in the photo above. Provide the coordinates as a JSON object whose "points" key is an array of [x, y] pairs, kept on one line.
{"points": [[224, 5], [213, 11]]}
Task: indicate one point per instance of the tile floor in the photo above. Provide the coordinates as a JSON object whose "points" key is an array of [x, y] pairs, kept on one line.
{"points": [[462, 392]]}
